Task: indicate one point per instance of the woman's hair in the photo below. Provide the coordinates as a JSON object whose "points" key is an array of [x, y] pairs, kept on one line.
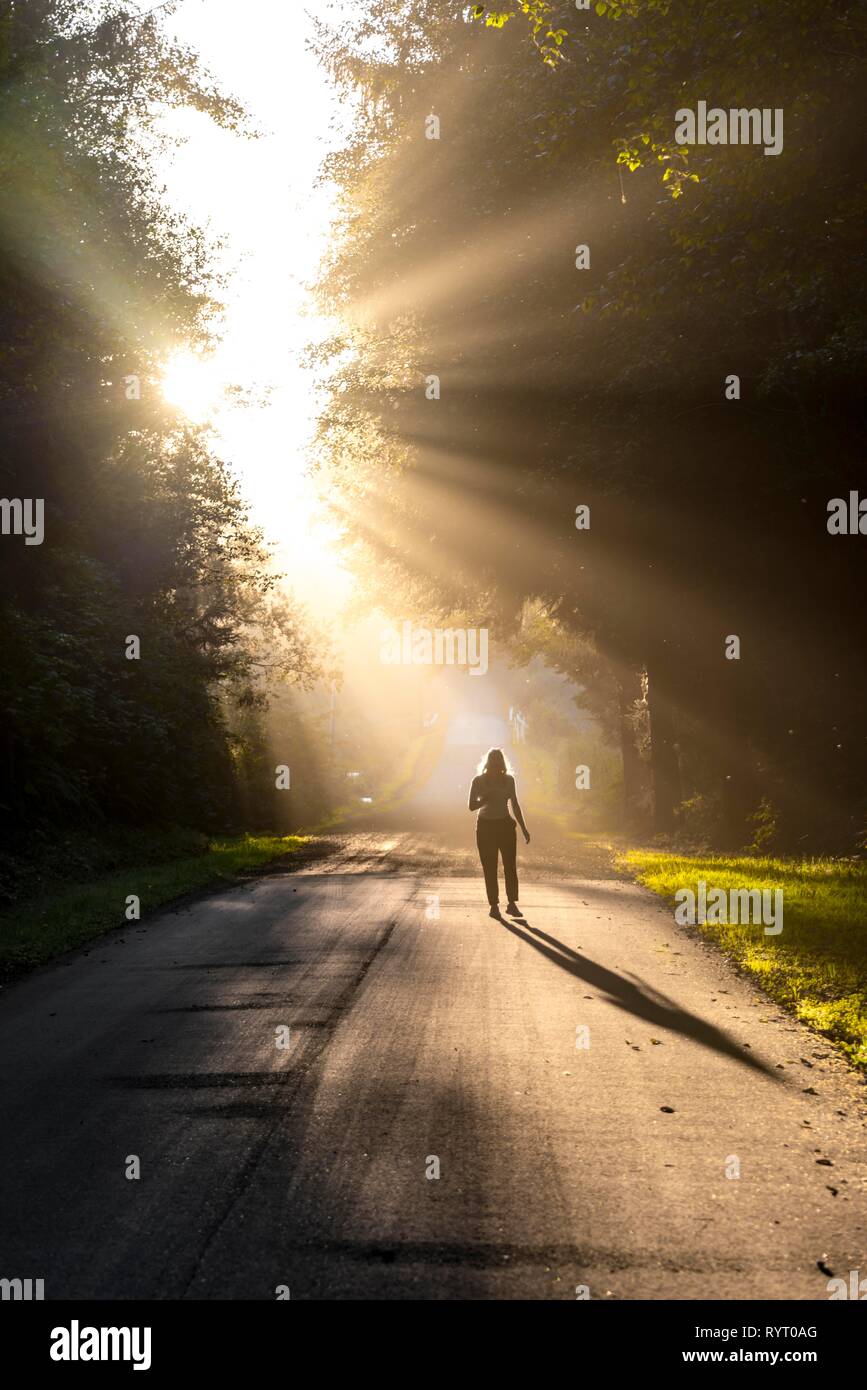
{"points": [[494, 764]]}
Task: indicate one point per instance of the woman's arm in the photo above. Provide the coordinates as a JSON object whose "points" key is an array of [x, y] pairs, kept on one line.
{"points": [[476, 799], [519, 814]]}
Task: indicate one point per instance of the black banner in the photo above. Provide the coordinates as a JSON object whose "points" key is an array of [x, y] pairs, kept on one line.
{"points": [[231, 1339]]}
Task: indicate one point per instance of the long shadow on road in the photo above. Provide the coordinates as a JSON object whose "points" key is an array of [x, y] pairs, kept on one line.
{"points": [[632, 997]]}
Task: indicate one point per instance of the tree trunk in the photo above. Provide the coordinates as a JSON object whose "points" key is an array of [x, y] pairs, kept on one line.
{"points": [[629, 691], [664, 761]]}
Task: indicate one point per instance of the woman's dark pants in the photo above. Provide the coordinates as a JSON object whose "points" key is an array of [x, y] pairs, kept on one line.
{"points": [[495, 837]]}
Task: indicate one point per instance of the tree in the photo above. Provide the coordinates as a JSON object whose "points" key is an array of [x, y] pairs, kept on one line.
{"points": [[605, 387], [146, 535]]}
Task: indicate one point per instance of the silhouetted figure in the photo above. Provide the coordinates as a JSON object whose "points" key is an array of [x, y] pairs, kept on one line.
{"points": [[490, 794]]}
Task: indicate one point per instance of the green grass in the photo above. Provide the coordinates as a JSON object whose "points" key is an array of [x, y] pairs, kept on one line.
{"points": [[62, 916], [817, 965]]}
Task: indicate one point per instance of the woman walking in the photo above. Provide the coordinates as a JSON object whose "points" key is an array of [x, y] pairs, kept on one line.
{"points": [[490, 794]]}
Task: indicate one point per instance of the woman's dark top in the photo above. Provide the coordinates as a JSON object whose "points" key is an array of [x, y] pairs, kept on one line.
{"points": [[495, 793]]}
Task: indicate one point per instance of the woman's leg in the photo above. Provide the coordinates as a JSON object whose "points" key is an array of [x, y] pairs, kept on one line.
{"points": [[509, 851], [486, 839]]}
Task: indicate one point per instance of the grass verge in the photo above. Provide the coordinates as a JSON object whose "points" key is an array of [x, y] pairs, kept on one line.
{"points": [[64, 916], [817, 965]]}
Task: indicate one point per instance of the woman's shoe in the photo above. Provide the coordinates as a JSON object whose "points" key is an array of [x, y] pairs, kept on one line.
{"points": [[514, 910], [495, 911]]}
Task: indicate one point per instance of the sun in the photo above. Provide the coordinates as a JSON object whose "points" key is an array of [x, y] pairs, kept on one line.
{"points": [[193, 384]]}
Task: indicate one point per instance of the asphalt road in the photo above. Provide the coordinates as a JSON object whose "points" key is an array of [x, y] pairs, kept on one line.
{"points": [[423, 1037]]}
